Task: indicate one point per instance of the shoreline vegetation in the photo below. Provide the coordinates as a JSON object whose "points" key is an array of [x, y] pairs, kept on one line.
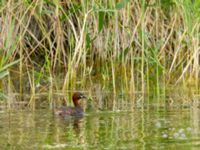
{"points": [[131, 46]]}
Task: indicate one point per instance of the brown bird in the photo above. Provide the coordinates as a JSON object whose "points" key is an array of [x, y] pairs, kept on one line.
{"points": [[76, 111]]}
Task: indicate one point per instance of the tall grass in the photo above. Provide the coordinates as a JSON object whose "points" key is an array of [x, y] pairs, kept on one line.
{"points": [[129, 45]]}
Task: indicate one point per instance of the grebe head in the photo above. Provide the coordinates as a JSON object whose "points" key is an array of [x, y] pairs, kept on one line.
{"points": [[76, 98]]}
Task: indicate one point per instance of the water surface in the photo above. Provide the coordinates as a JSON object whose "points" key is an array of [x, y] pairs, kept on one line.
{"points": [[141, 128]]}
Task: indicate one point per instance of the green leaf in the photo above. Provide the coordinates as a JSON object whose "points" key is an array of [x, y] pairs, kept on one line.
{"points": [[101, 20], [121, 4], [88, 40], [3, 96], [8, 65], [124, 53], [3, 74], [69, 12]]}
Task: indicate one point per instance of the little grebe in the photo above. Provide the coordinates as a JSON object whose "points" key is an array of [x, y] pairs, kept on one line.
{"points": [[76, 111]]}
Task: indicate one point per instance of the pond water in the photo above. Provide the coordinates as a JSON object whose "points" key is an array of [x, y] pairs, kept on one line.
{"points": [[149, 127]]}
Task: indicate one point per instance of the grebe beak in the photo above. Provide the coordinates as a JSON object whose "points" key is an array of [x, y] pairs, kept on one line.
{"points": [[83, 96]]}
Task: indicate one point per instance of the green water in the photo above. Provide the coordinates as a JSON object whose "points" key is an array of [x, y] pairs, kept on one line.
{"points": [[142, 128]]}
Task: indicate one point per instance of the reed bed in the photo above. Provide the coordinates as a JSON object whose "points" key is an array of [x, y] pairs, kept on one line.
{"points": [[126, 45]]}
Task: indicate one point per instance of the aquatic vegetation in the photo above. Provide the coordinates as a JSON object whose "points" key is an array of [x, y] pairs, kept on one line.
{"points": [[125, 45]]}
